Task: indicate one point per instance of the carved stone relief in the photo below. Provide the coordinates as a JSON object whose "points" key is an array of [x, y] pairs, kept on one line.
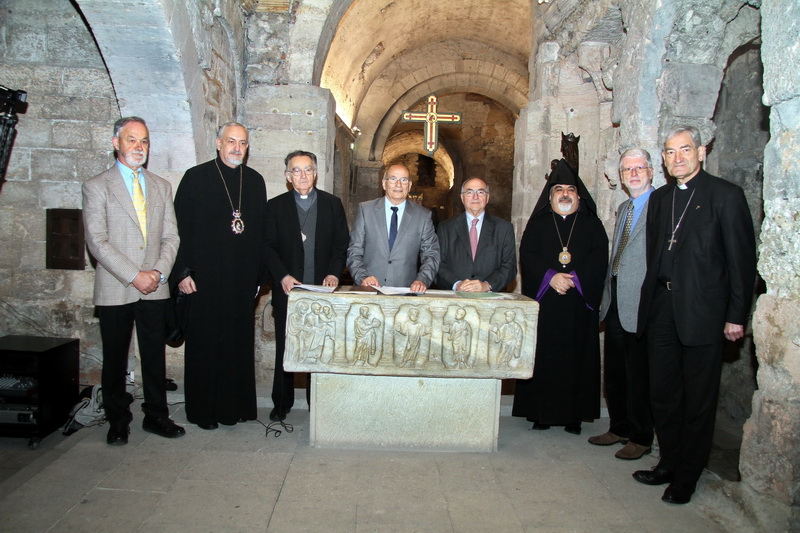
{"points": [[436, 334]]}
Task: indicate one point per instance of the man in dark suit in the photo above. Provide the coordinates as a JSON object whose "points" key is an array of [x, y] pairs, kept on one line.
{"points": [[701, 268], [477, 249], [131, 230], [389, 235], [306, 242], [625, 373]]}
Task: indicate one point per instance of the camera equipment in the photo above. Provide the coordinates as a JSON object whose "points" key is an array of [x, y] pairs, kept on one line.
{"points": [[9, 100]]}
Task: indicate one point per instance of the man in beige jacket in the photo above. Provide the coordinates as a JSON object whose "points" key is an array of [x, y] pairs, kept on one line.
{"points": [[131, 230]]}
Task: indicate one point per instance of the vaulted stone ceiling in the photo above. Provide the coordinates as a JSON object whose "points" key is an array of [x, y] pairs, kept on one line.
{"points": [[387, 55]]}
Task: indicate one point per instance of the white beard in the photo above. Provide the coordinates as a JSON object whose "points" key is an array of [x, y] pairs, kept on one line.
{"points": [[564, 207]]}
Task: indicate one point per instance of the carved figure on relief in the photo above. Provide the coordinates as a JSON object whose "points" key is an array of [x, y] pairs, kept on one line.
{"points": [[414, 330], [460, 327], [296, 332], [507, 335], [459, 333], [366, 331]]}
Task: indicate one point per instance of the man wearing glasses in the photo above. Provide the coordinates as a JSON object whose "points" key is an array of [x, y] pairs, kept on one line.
{"points": [[306, 242], [477, 249], [625, 372], [389, 235]]}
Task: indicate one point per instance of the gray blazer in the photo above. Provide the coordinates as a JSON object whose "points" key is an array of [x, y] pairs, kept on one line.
{"points": [[632, 268], [115, 240], [369, 255]]}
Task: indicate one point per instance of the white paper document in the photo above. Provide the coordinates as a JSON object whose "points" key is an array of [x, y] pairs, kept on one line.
{"points": [[314, 288]]}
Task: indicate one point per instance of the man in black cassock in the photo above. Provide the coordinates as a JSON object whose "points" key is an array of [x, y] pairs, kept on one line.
{"points": [[221, 209], [563, 259], [307, 240]]}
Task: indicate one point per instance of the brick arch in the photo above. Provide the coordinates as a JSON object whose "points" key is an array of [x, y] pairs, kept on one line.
{"points": [[372, 140]]}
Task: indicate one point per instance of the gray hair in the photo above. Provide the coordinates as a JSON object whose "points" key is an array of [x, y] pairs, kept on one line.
{"points": [[124, 121], [636, 152], [484, 182], [684, 128], [228, 124], [299, 153]]}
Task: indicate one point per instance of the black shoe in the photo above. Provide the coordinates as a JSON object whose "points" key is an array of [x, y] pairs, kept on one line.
{"points": [[657, 476], [575, 429], [118, 434], [276, 415], [209, 425], [163, 427], [678, 492], [541, 427]]}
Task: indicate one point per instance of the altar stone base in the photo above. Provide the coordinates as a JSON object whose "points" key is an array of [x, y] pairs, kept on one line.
{"points": [[404, 413]]}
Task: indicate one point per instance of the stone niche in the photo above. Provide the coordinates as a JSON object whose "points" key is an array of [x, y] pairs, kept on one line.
{"points": [[407, 372]]}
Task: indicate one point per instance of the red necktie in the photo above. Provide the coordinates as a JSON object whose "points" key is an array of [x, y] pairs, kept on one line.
{"points": [[473, 237]]}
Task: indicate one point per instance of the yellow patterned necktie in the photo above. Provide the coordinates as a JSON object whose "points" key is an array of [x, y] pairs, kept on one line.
{"points": [[139, 204]]}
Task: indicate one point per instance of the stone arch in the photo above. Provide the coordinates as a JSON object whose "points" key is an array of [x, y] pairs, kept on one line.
{"points": [[178, 71], [459, 83], [411, 142], [127, 35]]}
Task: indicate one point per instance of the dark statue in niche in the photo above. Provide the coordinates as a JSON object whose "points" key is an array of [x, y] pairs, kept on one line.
{"points": [[569, 151]]}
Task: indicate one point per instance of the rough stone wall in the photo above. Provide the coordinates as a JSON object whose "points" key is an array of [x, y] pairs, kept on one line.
{"points": [[268, 48], [63, 138], [770, 458], [218, 34], [737, 154], [565, 100]]}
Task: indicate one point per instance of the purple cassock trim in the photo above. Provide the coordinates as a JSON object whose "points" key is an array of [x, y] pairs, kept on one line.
{"points": [[546, 285]]}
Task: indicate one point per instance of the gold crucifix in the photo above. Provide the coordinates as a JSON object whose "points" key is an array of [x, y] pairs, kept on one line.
{"points": [[431, 119]]}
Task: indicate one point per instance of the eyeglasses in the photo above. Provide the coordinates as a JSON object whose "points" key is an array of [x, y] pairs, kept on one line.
{"points": [[639, 169], [296, 172], [480, 192], [395, 179]]}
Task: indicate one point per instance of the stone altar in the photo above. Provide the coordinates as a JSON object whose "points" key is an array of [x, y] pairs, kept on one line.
{"points": [[415, 372]]}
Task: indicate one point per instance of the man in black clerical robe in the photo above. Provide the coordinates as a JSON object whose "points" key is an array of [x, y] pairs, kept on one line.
{"points": [[563, 259], [221, 210], [307, 240]]}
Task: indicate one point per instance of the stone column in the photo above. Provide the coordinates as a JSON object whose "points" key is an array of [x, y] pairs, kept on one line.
{"points": [[284, 118], [770, 457]]}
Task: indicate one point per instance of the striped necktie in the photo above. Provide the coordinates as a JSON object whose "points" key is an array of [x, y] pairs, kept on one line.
{"points": [[623, 241], [139, 204]]}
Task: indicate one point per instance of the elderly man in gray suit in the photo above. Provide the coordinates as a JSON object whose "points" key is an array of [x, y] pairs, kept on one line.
{"points": [[131, 230], [389, 235], [625, 360]]}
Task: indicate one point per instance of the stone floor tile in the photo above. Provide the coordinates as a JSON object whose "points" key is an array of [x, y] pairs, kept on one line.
{"points": [[407, 510], [334, 514], [320, 479], [481, 512], [238, 467], [38, 504], [103, 510], [148, 470], [467, 472], [215, 506]]}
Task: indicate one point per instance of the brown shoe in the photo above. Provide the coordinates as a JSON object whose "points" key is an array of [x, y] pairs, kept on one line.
{"points": [[607, 439], [632, 451]]}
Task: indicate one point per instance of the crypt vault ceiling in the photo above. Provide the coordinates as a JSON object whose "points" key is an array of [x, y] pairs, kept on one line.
{"points": [[387, 56]]}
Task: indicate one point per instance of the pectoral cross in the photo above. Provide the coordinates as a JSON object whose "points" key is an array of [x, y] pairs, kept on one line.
{"points": [[431, 118], [672, 241]]}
